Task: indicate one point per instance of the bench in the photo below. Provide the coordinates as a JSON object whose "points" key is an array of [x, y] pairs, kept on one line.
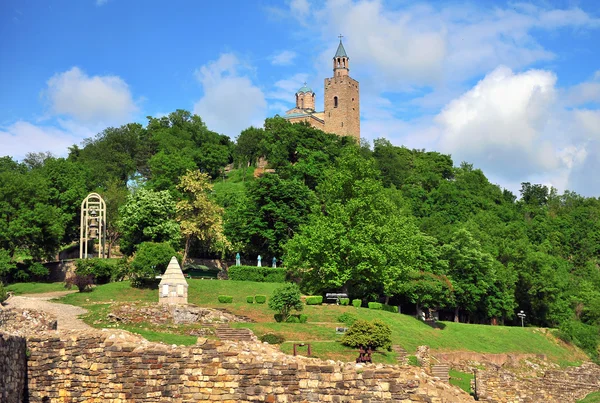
{"points": [[335, 296]]}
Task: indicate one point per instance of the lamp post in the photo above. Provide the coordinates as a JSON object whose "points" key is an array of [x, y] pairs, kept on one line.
{"points": [[522, 316]]}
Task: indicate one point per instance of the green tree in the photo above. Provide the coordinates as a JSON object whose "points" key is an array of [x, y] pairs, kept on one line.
{"points": [[285, 299], [151, 259], [362, 333]]}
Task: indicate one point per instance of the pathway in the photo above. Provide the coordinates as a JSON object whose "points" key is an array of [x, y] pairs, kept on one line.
{"points": [[66, 315]]}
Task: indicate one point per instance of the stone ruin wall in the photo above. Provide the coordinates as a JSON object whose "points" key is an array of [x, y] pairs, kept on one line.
{"points": [[13, 368], [110, 366], [554, 386]]}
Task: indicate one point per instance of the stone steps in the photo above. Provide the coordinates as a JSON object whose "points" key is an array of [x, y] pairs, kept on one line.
{"points": [[228, 333], [441, 371], [402, 355]]}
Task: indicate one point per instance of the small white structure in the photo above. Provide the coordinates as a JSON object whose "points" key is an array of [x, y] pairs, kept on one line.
{"points": [[173, 289]]}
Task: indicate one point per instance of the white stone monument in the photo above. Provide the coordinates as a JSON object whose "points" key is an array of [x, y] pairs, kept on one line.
{"points": [[173, 289]]}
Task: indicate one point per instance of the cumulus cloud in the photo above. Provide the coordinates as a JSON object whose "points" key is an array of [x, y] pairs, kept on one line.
{"points": [[231, 102], [90, 99], [283, 58], [285, 89]]}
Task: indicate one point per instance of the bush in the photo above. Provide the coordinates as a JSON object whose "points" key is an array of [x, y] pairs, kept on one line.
{"points": [[285, 299], [347, 318], [292, 319], [258, 274], [278, 318], [314, 300], [250, 299], [303, 318], [83, 282], [3, 293], [390, 308], [375, 305], [100, 269], [272, 338], [225, 299], [150, 260], [357, 303], [374, 334], [344, 301], [582, 335], [260, 299]]}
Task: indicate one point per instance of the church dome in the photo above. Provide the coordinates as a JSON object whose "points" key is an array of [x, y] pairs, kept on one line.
{"points": [[304, 89]]}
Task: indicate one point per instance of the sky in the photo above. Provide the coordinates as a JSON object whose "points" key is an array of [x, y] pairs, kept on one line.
{"points": [[510, 87]]}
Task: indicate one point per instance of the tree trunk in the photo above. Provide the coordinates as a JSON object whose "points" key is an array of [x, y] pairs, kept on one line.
{"points": [[187, 247], [456, 315], [387, 299]]}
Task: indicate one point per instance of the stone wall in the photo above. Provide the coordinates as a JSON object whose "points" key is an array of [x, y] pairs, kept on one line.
{"points": [[499, 385], [13, 368], [109, 366]]}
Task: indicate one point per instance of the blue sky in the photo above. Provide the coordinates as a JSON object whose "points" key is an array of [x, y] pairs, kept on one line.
{"points": [[512, 87]]}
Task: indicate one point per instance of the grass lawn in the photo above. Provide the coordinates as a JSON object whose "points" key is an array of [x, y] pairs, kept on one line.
{"points": [[35, 288], [591, 398], [461, 379], [407, 331]]}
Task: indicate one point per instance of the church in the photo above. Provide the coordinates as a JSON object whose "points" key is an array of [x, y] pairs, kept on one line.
{"points": [[342, 112]]}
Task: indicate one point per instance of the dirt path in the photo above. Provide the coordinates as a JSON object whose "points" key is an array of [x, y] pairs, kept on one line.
{"points": [[66, 315]]}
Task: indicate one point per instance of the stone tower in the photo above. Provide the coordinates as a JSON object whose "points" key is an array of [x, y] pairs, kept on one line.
{"points": [[305, 99], [342, 111]]}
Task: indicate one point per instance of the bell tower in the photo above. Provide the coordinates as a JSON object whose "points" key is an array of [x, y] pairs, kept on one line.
{"points": [[342, 111]]}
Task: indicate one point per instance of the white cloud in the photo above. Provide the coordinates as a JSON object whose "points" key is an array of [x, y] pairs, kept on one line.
{"points": [[283, 58], [101, 2], [231, 102], [300, 8], [286, 89], [90, 99]]}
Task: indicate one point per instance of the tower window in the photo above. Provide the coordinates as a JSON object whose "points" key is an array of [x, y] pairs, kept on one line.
{"points": [[335, 102], [342, 124]]}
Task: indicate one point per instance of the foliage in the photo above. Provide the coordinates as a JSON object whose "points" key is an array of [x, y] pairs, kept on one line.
{"points": [[255, 273], [292, 319], [389, 308], [347, 318], [148, 216], [314, 300], [3, 293], [225, 299], [375, 334], [100, 269], [250, 299], [344, 301], [586, 337], [83, 282], [357, 303], [302, 318], [285, 299], [272, 338], [260, 299], [375, 305], [200, 217], [150, 260]]}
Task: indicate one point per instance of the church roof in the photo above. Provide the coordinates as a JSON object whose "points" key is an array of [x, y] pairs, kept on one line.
{"points": [[173, 274], [341, 52], [304, 89]]}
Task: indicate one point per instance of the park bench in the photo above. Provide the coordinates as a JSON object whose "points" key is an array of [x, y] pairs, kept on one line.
{"points": [[332, 296]]}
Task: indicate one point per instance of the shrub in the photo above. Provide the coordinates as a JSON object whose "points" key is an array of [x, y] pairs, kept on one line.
{"points": [[347, 318], [285, 299], [375, 305], [303, 318], [582, 335], [150, 260], [278, 318], [3, 293], [225, 299], [272, 338], [260, 299], [314, 300], [292, 319], [374, 334], [258, 274], [344, 301], [390, 308], [100, 269], [83, 282], [250, 299], [357, 303]]}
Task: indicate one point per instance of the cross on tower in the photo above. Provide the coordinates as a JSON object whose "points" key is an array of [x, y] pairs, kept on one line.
{"points": [[341, 36]]}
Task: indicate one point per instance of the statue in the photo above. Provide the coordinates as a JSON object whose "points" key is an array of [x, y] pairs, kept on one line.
{"points": [[237, 259], [259, 260], [274, 262]]}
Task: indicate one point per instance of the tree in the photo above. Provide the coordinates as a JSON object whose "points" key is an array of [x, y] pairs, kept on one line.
{"points": [[427, 290], [199, 217], [148, 216], [375, 334], [285, 299], [151, 259]]}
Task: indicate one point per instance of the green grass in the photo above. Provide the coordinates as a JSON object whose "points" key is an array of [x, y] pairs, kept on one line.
{"points": [[461, 379], [35, 288], [591, 398], [407, 331]]}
